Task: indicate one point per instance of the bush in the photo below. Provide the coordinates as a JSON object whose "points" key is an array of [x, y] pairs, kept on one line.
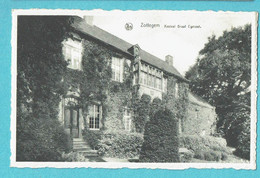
{"points": [[161, 142], [120, 144], [40, 139], [186, 156], [92, 137], [210, 155], [224, 156], [155, 106], [197, 143], [73, 157]]}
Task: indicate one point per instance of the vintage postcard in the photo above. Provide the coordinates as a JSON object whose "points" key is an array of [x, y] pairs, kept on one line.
{"points": [[133, 89]]}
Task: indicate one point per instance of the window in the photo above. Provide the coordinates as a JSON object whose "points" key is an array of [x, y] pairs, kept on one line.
{"points": [[159, 83], [176, 90], [151, 77], [94, 116], [117, 69], [127, 119], [72, 53], [165, 84]]}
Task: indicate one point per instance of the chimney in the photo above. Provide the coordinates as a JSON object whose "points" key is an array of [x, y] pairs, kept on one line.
{"points": [[169, 60], [89, 20]]}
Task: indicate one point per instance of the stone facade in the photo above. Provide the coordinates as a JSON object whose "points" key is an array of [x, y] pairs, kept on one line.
{"points": [[201, 117]]}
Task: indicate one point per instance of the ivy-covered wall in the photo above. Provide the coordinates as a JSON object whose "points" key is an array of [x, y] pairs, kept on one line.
{"points": [[119, 98], [95, 86], [176, 103]]}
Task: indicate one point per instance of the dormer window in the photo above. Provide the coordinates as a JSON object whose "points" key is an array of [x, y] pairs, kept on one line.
{"points": [[117, 69], [72, 50]]}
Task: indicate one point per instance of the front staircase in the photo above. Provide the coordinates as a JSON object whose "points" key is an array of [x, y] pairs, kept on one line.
{"points": [[80, 146]]}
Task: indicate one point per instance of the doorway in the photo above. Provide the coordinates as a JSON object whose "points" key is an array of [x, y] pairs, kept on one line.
{"points": [[71, 121]]}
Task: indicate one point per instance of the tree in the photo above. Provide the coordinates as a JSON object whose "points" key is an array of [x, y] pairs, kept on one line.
{"points": [[161, 141], [40, 70], [222, 75]]}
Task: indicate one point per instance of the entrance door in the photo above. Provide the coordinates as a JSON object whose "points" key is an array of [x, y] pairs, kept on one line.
{"points": [[71, 121]]}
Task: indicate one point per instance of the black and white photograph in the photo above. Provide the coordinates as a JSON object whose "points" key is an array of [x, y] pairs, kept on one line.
{"points": [[135, 89]]}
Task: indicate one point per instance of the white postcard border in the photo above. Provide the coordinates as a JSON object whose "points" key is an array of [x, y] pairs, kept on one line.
{"points": [[177, 166]]}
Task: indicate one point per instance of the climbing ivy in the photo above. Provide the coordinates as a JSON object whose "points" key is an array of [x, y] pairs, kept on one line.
{"points": [[178, 105], [94, 81]]}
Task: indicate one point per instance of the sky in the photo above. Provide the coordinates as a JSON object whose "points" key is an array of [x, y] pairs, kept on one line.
{"points": [[183, 44]]}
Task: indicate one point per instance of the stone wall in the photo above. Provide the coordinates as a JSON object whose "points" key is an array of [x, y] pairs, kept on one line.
{"points": [[200, 120]]}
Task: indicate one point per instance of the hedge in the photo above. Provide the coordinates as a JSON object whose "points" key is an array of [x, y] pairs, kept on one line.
{"points": [[161, 142], [207, 148], [197, 143], [120, 144], [92, 137]]}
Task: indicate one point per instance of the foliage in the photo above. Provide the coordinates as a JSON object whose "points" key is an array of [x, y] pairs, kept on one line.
{"points": [[206, 148], [177, 105], [155, 106], [234, 125], [92, 137], [40, 139], [120, 144], [73, 157], [243, 146], [186, 157], [197, 143], [142, 113], [40, 68], [96, 76], [222, 76], [161, 142], [210, 155]]}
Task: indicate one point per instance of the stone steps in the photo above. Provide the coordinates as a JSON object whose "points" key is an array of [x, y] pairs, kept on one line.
{"points": [[80, 146]]}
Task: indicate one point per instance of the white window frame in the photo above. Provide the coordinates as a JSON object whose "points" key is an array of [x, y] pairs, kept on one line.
{"points": [[164, 84], [176, 90], [99, 118], [75, 52], [118, 68], [151, 77]]}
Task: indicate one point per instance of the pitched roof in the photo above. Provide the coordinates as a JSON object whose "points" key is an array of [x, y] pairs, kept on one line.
{"points": [[198, 101], [120, 44]]}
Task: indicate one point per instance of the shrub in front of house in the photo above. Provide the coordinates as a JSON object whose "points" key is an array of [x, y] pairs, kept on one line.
{"points": [[40, 139], [186, 157], [210, 155], [92, 137], [155, 106], [206, 147], [197, 143], [120, 144], [161, 142]]}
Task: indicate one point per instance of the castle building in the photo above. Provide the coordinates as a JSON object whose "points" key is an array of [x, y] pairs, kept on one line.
{"points": [[134, 73]]}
